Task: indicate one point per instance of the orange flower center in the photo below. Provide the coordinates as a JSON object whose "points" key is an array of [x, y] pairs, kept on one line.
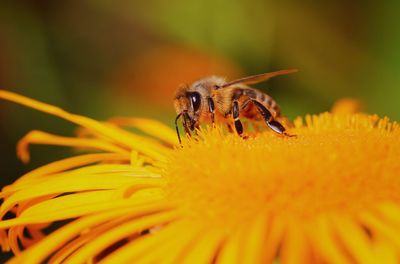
{"points": [[336, 163]]}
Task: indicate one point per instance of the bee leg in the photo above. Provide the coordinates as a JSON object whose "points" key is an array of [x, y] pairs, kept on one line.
{"points": [[235, 113], [265, 113], [272, 123], [278, 128], [177, 129], [187, 130], [211, 109], [245, 103], [186, 124]]}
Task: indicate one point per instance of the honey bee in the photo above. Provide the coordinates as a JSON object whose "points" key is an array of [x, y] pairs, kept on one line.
{"points": [[212, 98]]}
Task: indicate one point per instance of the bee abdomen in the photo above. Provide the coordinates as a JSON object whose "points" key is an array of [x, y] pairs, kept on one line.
{"points": [[268, 102], [261, 97]]}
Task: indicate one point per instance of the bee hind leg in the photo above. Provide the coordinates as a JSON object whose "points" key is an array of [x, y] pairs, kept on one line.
{"points": [[271, 123], [278, 128]]}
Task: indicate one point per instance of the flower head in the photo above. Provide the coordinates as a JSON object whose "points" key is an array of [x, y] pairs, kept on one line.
{"points": [[331, 194]]}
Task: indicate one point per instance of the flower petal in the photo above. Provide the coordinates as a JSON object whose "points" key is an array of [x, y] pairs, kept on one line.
{"points": [[205, 248], [295, 246], [149, 126], [323, 241], [391, 212], [254, 239], [74, 162], [40, 137], [99, 169], [231, 248], [275, 234], [142, 245], [354, 239], [121, 137], [383, 228], [115, 234], [58, 238], [59, 185]]}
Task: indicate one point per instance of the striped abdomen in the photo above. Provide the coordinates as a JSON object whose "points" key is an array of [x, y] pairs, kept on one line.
{"points": [[261, 97]]}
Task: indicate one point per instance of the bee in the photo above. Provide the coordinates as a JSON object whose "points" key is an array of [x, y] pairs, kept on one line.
{"points": [[212, 98]]}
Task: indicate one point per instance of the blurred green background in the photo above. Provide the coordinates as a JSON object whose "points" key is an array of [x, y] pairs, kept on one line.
{"points": [[125, 58]]}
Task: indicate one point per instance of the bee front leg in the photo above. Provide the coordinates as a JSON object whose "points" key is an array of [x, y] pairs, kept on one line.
{"points": [[211, 109], [186, 125], [187, 130]]}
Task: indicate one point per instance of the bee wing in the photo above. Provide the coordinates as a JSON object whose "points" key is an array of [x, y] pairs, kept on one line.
{"points": [[258, 78]]}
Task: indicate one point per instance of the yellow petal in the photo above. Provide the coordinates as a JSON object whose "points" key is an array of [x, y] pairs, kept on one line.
{"points": [[39, 137], [295, 246], [125, 230], [354, 239], [70, 206], [205, 248], [324, 243], [149, 126], [140, 246], [74, 162], [5, 246], [115, 134], [382, 227], [99, 170], [246, 243], [70, 248], [75, 205], [254, 240], [86, 236], [173, 251], [386, 252], [276, 230], [231, 248], [83, 184], [58, 238], [18, 239], [13, 241], [390, 212]]}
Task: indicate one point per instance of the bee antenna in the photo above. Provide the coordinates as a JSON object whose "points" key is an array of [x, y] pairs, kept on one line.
{"points": [[176, 127]]}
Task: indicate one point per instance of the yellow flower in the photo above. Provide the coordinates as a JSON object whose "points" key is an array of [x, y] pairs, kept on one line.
{"points": [[329, 195]]}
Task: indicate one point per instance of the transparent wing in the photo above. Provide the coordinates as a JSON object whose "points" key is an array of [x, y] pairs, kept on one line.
{"points": [[258, 78]]}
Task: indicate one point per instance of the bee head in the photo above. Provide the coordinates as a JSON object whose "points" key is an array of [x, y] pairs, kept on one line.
{"points": [[188, 104]]}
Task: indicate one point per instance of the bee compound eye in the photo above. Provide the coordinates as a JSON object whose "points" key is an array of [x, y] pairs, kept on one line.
{"points": [[196, 100]]}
